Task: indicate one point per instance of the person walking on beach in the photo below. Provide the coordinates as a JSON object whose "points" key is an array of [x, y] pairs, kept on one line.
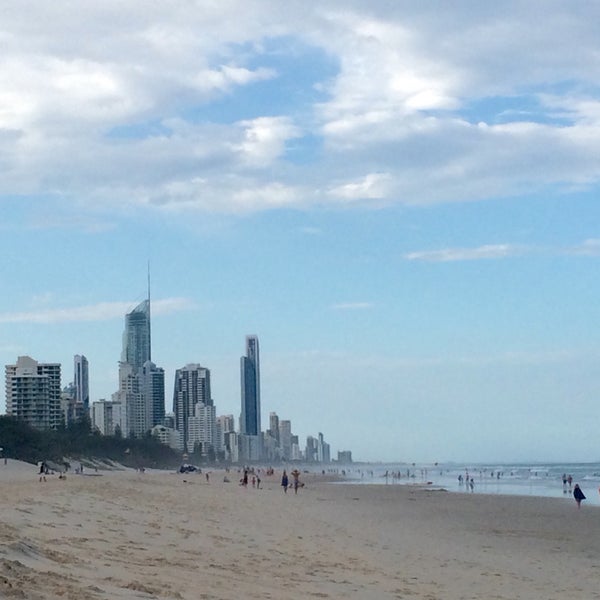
{"points": [[284, 482], [296, 476], [578, 495]]}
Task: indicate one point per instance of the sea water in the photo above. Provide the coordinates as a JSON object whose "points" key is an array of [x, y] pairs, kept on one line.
{"points": [[541, 480]]}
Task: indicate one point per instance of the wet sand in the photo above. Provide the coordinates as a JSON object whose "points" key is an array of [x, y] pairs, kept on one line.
{"points": [[170, 536]]}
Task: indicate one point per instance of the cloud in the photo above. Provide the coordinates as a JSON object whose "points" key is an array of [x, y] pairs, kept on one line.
{"points": [[190, 108], [264, 139], [489, 251], [589, 247], [233, 195], [372, 186], [102, 311]]}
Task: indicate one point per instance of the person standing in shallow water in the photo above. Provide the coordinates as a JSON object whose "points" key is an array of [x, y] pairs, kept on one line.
{"points": [[578, 495], [284, 482]]}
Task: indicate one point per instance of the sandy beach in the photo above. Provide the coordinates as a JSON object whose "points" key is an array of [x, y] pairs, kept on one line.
{"points": [[169, 536]]}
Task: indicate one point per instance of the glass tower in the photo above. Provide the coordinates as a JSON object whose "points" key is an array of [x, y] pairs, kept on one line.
{"points": [[250, 382], [136, 337], [82, 386]]}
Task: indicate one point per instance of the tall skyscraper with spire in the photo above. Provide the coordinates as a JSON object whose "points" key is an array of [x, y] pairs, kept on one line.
{"points": [[141, 382]]}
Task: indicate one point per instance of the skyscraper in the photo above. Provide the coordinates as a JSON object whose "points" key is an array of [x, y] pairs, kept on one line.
{"points": [[81, 381], [285, 438], [136, 337], [107, 417], [250, 439], [192, 385], [153, 392], [250, 383], [33, 392], [274, 426], [202, 429], [141, 383]]}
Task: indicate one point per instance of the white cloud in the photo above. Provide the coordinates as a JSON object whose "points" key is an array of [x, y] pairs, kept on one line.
{"points": [[102, 311], [232, 195], [461, 254], [264, 139], [371, 186], [590, 247], [385, 77], [104, 107]]}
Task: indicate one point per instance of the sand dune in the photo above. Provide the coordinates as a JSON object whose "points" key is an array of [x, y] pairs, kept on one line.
{"points": [[131, 535]]}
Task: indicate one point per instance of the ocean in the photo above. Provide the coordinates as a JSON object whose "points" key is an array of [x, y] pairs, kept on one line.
{"points": [[541, 480]]}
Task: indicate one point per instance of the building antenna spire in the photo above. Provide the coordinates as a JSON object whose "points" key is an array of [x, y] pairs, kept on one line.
{"points": [[149, 326], [148, 281]]}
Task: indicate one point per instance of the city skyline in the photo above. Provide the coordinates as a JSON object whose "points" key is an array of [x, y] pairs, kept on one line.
{"points": [[399, 199]]}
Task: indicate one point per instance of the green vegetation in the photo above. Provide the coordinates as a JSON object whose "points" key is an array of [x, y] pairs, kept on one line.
{"points": [[79, 441]]}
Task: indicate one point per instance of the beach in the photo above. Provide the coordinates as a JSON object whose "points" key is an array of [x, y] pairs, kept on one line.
{"points": [[162, 535]]}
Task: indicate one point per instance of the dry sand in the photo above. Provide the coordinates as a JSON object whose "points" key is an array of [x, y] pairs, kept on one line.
{"points": [[131, 535]]}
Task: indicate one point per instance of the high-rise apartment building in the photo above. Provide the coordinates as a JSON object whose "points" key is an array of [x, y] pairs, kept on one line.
{"points": [[202, 429], [107, 417], [153, 393], [285, 438], [33, 393], [225, 425], [81, 381], [274, 426], [310, 452], [250, 383], [71, 410], [133, 415], [323, 449], [192, 385]]}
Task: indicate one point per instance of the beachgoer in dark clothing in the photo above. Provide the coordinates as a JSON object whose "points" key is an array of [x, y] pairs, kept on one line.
{"points": [[284, 482], [578, 495]]}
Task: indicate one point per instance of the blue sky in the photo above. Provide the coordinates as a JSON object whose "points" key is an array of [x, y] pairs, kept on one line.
{"points": [[400, 200]]}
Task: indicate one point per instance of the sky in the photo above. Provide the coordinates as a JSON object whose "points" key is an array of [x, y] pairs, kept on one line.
{"points": [[399, 198]]}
